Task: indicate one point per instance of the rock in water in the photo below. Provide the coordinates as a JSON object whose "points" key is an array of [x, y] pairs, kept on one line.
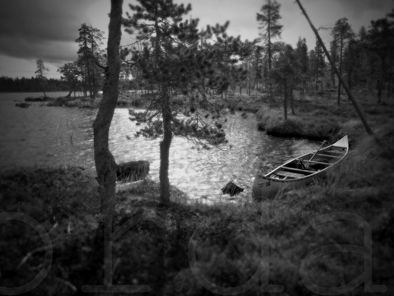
{"points": [[22, 105], [232, 189], [132, 170]]}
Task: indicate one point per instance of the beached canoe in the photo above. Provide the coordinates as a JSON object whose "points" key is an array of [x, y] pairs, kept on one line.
{"points": [[300, 171]]}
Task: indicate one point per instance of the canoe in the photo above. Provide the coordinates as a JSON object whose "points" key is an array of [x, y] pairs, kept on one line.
{"points": [[300, 171]]}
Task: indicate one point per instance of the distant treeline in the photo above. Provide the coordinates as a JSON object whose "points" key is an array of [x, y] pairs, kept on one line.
{"points": [[8, 84]]}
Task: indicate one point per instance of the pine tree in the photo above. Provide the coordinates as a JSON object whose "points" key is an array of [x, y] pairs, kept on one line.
{"points": [[270, 29], [335, 59], [318, 65], [70, 73], [268, 19], [303, 62], [177, 57], [342, 32], [89, 55], [285, 74], [40, 74]]}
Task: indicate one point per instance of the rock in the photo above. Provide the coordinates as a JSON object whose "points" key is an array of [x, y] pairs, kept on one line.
{"points": [[22, 105], [132, 170], [232, 189]]}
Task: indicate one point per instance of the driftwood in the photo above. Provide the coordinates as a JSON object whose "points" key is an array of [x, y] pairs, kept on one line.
{"points": [[132, 170]]}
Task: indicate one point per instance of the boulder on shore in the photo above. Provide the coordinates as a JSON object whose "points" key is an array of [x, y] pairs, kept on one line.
{"points": [[132, 170], [232, 189]]}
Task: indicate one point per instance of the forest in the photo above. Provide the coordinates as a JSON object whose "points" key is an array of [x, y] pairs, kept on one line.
{"points": [[33, 84], [266, 65]]}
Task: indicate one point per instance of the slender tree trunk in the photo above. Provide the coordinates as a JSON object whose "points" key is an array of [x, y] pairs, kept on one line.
{"points": [[340, 71], [285, 98], [380, 87], [291, 99], [104, 160], [269, 51], [269, 36], [167, 138], [72, 89], [105, 163], [165, 148], [43, 88], [69, 93], [388, 88], [85, 90], [249, 77]]}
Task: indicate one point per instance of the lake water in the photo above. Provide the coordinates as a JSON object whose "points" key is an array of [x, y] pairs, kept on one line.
{"points": [[53, 136]]}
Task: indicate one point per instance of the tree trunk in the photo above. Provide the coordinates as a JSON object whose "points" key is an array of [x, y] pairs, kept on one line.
{"points": [[292, 99], [340, 71], [388, 88], [165, 148], [105, 164], [104, 160], [249, 77], [72, 89], [380, 87], [69, 93], [43, 89], [167, 137], [285, 98]]}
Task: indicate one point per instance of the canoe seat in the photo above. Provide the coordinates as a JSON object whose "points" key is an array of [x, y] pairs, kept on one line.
{"points": [[307, 172], [318, 162], [333, 151], [287, 175], [328, 155]]}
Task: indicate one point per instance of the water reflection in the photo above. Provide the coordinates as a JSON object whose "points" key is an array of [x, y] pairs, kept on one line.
{"points": [[64, 136]]}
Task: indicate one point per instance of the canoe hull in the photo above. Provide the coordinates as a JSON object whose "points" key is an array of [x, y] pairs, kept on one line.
{"points": [[266, 188], [289, 175]]}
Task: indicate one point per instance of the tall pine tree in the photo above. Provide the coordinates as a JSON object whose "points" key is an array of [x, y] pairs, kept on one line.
{"points": [[40, 74], [342, 33]]}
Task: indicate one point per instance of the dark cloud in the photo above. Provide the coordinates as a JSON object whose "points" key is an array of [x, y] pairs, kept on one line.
{"points": [[357, 8], [41, 28]]}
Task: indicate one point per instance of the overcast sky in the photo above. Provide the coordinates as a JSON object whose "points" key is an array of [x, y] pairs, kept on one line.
{"points": [[47, 29]]}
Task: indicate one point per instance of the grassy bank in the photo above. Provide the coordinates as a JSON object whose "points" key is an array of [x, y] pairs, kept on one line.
{"points": [[229, 236], [124, 100], [319, 118], [232, 102], [75, 102]]}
